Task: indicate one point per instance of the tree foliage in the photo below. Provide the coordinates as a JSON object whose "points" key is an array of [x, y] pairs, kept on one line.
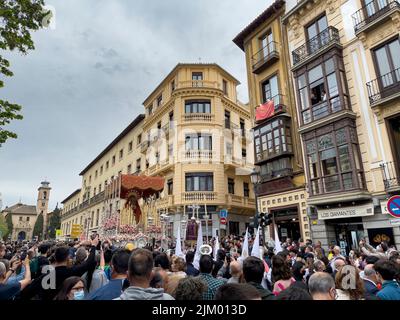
{"points": [[54, 223], [38, 228], [3, 227], [9, 225], [18, 19]]}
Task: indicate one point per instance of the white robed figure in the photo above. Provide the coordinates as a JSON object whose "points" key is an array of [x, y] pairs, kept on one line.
{"points": [[278, 247], [255, 251], [178, 247], [216, 247], [198, 246]]}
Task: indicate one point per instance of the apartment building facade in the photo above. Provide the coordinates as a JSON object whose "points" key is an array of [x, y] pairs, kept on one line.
{"points": [[348, 122], [195, 134], [86, 206], [278, 152]]}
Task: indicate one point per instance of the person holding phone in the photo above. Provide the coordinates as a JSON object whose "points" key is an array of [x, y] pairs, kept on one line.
{"points": [[8, 291], [60, 271]]}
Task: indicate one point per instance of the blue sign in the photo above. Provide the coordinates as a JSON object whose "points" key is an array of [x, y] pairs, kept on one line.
{"points": [[394, 206], [223, 213]]}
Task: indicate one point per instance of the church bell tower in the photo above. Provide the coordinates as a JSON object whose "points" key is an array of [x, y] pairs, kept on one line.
{"points": [[43, 204]]}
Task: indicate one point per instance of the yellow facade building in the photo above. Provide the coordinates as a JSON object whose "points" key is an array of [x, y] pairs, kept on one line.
{"points": [[196, 134], [345, 67], [278, 152]]}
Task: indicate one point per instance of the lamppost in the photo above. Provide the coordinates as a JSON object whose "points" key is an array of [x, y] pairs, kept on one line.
{"points": [[255, 180]]}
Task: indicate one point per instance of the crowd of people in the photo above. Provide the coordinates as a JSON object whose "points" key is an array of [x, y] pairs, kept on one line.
{"points": [[103, 270]]}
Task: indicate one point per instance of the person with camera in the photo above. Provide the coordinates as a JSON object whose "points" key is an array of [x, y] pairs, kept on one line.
{"points": [[9, 290], [48, 284]]}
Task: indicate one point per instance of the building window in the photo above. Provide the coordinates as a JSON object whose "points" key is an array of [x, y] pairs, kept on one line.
{"points": [[129, 169], [170, 186], [198, 141], [90, 179], [225, 87], [99, 187], [20, 218], [159, 100], [227, 119], [242, 128], [322, 89], [386, 63], [334, 162], [171, 119], [231, 186], [94, 191], [229, 149], [172, 85], [199, 182], [272, 139], [44, 194], [200, 106], [138, 165], [101, 170], [130, 146], [314, 29], [121, 154], [171, 150], [147, 163], [197, 76], [150, 110], [270, 89], [157, 157], [95, 174], [244, 154], [139, 139], [266, 43], [246, 190], [276, 169], [113, 160], [97, 217], [92, 219], [107, 164]]}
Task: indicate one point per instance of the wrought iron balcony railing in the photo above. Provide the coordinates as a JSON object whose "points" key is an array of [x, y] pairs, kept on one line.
{"points": [[313, 46], [391, 175], [384, 87], [267, 55], [372, 12]]}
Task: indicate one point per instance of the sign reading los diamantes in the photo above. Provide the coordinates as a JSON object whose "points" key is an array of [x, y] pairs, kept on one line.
{"points": [[346, 212]]}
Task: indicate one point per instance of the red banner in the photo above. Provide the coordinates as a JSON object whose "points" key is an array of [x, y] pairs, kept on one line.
{"points": [[265, 111]]}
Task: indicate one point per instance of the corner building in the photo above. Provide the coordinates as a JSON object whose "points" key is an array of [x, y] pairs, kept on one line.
{"points": [[345, 147], [278, 153]]}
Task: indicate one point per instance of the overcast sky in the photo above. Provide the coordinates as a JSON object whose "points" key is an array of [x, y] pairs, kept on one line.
{"points": [[88, 77]]}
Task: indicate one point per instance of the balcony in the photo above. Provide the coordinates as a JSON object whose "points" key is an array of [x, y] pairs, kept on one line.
{"points": [[160, 167], [199, 196], [144, 146], [199, 84], [315, 46], [167, 201], [197, 155], [384, 88], [287, 172], [198, 117], [391, 176], [230, 161], [265, 57], [239, 201], [279, 107], [373, 14], [282, 150]]}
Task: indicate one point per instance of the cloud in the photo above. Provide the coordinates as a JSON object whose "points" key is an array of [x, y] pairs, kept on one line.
{"points": [[87, 78]]}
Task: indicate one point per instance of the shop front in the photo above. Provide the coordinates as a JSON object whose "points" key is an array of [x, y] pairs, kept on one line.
{"points": [[287, 222]]}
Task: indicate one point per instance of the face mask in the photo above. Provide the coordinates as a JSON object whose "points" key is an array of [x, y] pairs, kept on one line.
{"points": [[79, 295]]}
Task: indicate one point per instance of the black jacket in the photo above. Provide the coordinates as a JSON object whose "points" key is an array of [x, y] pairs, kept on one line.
{"points": [[264, 293], [35, 289], [191, 270]]}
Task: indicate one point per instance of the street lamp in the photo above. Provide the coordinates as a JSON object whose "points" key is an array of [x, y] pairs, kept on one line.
{"points": [[255, 180]]}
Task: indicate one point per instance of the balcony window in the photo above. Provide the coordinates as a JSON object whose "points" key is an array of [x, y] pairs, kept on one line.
{"points": [[320, 88], [225, 87], [244, 154], [227, 119], [170, 187], [199, 182], [172, 86], [333, 162], [242, 127], [202, 106], [272, 139], [197, 75], [198, 142], [171, 119], [129, 169], [276, 169], [231, 186], [138, 164], [246, 189], [270, 88], [159, 100]]}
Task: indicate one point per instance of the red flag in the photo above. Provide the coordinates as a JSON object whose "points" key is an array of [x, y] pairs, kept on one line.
{"points": [[265, 111]]}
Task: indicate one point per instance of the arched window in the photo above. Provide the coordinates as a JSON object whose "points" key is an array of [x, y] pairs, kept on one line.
{"points": [[44, 194]]}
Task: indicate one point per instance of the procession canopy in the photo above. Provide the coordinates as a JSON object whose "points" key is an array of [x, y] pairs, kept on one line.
{"points": [[132, 188]]}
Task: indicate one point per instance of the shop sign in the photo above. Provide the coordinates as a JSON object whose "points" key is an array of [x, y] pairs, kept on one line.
{"points": [[346, 212]]}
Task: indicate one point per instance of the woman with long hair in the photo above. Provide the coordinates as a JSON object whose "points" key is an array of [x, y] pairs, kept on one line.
{"points": [[349, 285], [281, 274], [72, 289]]}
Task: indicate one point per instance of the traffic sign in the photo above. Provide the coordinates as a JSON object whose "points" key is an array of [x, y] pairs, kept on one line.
{"points": [[393, 206], [223, 213], [223, 220]]}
